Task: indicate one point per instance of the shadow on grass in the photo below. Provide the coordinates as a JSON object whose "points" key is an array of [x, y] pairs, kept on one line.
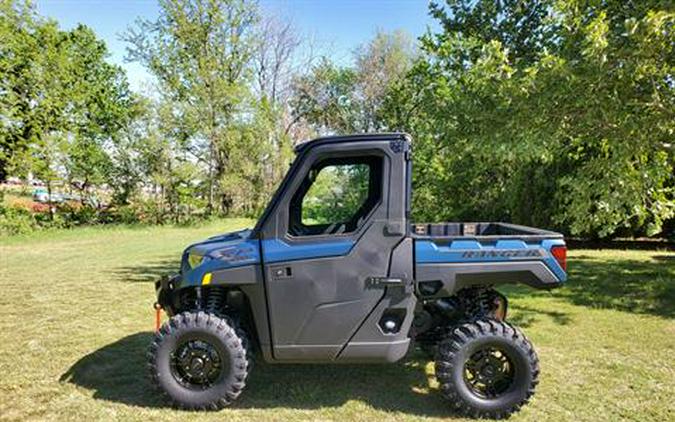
{"points": [[643, 287], [525, 316], [117, 372], [147, 272], [645, 244]]}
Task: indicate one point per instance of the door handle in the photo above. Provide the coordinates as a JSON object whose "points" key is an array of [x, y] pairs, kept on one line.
{"points": [[281, 272], [384, 281]]}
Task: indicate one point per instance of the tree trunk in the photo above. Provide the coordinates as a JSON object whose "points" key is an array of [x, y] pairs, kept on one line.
{"points": [[49, 200], [209, 207]]}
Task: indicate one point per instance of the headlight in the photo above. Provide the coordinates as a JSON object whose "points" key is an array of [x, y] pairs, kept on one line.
{"points": [[195, 259]]}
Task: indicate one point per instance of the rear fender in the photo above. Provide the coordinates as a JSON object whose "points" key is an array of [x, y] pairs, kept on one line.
{"points": [[443, 269]]}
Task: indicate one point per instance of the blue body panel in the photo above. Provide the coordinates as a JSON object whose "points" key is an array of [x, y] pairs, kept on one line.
{"points": [[220, 253], [276, 250], [237, 249], [472, 250]]}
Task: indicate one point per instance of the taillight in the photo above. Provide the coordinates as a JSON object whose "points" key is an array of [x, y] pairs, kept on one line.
{"points": [[560, 255]]}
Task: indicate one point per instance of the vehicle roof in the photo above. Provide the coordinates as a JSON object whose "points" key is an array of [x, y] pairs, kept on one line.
{"points": [[350, 138]]}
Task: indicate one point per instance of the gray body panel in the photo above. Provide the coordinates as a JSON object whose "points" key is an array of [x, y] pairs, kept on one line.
{"points": [[371, 343], [249, 279], [456, 276], [249, 274]]}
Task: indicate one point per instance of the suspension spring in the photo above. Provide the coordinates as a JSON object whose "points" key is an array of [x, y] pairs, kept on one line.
{"points": [[215, 300]]}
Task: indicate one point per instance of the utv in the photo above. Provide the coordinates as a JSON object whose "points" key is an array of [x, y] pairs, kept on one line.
{"points": [[335, 272]]}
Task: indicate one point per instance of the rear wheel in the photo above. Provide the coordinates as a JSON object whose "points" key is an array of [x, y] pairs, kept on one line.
{"points": [[198, 360], [486, 368]]}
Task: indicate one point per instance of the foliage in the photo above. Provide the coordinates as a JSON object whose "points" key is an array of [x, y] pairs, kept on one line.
{"points": [[205, 143], [62, 103], [323, 98], [200, 53], [22, 217], [15, 219], [259, 153], [570, 127], [349, 100], [553, 113], [336, 194]]}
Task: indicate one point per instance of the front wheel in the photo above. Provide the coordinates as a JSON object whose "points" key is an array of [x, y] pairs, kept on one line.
{"points": [[199, 361], [486, 368]]}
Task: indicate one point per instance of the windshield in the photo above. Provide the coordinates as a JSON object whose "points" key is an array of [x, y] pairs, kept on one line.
{"points": [[276, 196]]}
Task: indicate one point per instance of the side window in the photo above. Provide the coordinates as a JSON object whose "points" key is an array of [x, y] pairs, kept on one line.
{"points": [[336, 196]]}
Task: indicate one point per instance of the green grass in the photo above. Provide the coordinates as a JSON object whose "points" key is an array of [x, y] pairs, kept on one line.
{"points": [[76, 318]]}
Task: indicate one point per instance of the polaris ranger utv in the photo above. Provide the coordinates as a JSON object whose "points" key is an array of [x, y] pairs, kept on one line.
{"points": [[335, 272]]}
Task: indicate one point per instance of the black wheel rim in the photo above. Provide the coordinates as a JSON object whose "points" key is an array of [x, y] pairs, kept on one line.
{"points": [[489, 372], [197, 364]]}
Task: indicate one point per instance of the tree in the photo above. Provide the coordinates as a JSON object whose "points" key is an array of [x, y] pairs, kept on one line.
{"points": [[63, 101], [379, 64], [20, 50], [524, 28], [273, 58], [101, 105], [559, 114], [200, 53], [324, 98], [346, 99]]}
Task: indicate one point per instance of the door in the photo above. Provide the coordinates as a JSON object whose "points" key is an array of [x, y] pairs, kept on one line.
{"points": [[330, 234]]}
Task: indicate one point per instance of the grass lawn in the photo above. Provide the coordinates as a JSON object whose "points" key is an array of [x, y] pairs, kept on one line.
{"points": [[76, 319]]}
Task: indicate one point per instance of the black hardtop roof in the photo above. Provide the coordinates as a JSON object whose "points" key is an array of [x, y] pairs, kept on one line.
{"points": [[384, 136]]}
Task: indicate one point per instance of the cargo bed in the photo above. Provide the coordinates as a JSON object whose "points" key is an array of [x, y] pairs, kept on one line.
{"points": [[480, 230]]}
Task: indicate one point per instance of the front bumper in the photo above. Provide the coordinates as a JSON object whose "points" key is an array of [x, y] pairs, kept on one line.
{"points": [[164, 287]]}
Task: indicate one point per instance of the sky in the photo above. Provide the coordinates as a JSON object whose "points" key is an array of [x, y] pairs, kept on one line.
{"points": [[336, 26]]}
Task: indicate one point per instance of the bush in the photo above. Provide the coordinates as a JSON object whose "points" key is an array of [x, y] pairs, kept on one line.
{"points": [[24, 216], [76, 214], [37, 207], [16, 220], [21, 216], [148, 211], [124, 214]]}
